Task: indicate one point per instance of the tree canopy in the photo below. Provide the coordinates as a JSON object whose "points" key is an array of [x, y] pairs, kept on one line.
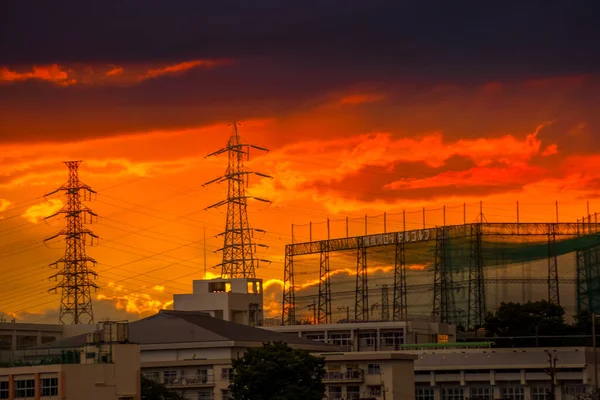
{"points": [[278, 372], [528, 319], [152, 390]]}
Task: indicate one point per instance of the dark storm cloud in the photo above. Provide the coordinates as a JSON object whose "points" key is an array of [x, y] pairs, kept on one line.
{"points": [[461, 37]]}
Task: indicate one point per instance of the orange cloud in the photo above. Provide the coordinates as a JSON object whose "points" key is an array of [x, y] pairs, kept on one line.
{"points": [[4, 204], [183, 66], [115, 71], [472, 177], [51, 73], [355, 99], [40, 211], [142, 304], [550, 150]]}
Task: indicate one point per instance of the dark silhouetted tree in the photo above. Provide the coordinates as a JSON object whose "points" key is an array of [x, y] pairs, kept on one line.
{"points": [[278, 372], [152, 390]]}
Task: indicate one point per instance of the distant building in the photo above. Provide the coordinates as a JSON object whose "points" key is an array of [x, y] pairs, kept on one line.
{"points": [[103, 366], [21, 336], [238, 300], [372, 336]]}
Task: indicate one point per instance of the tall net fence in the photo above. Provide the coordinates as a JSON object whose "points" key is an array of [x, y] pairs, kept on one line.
{"points": [[514, 260]]}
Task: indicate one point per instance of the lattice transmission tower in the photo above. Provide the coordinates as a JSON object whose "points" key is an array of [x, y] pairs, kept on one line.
{"points": [[75, 277], [239, 251]]}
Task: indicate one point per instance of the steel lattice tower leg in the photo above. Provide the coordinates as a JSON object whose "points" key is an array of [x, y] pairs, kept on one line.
{"points": [[444, 305], [239, 258], [324, 305], [553, 288], [476, 301], [438, 279], [400, 308], [76, 275], [288, 316], [361, 307]]}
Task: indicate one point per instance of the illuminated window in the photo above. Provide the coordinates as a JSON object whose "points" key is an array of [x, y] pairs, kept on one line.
{"points": [[442, 338]]}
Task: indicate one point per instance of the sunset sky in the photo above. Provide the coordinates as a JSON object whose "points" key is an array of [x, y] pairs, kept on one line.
{"points": [[366, 107]]}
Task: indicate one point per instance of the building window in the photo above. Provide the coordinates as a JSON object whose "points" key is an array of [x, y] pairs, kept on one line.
{"points": [[152, 375], [25, 342], [226, 395], [513, 393], [374, 369], [25, 388], [442, 338], [391, 340], [204, 375], [455, 393], [424, 393], [334, 392], [4, 390], [169, 377], [540, 393], [366, 341], [5, 342], [353, 392], [50, 387], [374, 390], [205, 395], [572, 390], [226, 374], [342, 340], [481, 393]]}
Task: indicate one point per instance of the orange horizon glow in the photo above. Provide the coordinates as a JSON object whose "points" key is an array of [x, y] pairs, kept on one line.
{"points": [[346, 154]]}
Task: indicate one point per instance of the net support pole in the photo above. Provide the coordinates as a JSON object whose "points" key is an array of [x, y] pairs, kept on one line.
{"points": [[553, 287], [324, 302], [288, 311], [400, 307], [361, 305]]}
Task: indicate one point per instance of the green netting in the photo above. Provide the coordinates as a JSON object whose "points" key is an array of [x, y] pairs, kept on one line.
{"points": [[515, 269]]}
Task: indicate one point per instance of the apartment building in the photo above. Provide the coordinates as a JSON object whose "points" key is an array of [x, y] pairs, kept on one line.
{"points": [[104, 367]]}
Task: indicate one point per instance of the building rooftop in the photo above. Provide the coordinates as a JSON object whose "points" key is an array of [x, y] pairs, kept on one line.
{"points": [[169, 326]]}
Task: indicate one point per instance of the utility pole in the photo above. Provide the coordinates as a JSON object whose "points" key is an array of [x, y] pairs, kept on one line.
{"points": [[239, 258], [347, 308], [551, 372], [313, 307], [595, 352], [75, 277]]}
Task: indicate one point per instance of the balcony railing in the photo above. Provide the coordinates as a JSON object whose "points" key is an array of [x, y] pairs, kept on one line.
{"points": [[189, 381], [347, 376]]}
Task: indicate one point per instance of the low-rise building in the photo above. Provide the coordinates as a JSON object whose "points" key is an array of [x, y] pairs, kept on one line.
{"points": [[372, 336], [103, 367], [486, 373]]}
